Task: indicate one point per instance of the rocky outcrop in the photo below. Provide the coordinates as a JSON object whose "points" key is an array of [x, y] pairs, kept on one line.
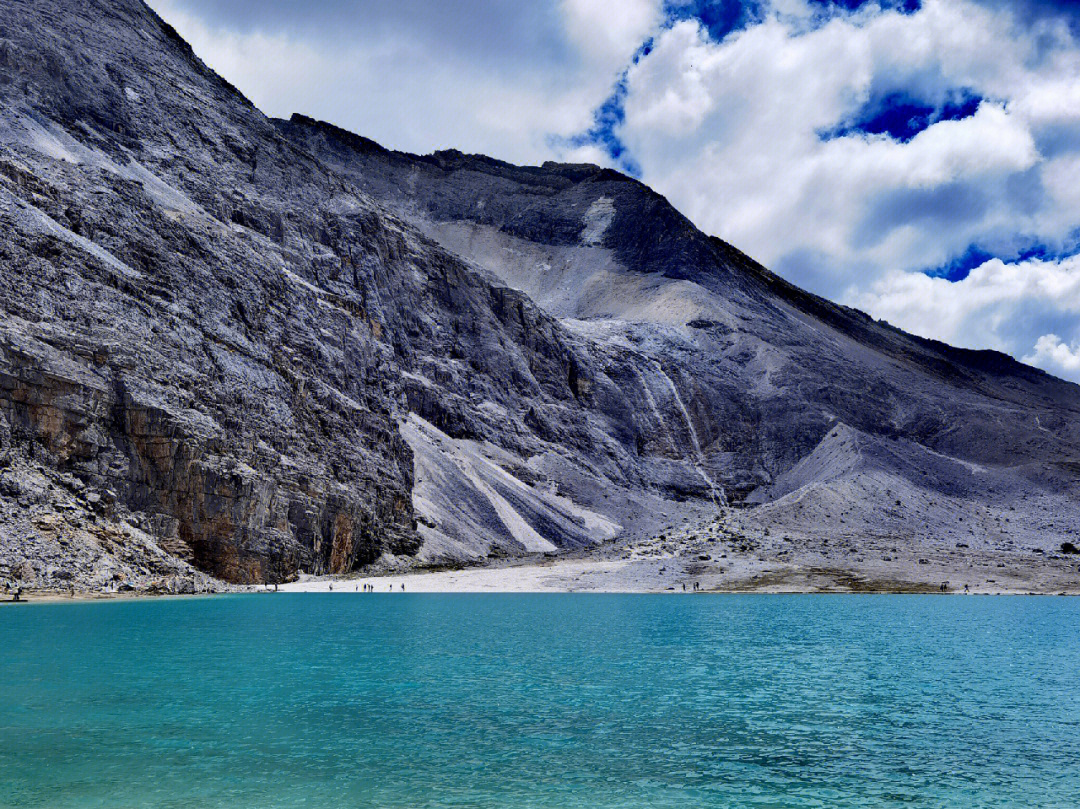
{"points": [[219, 381]]}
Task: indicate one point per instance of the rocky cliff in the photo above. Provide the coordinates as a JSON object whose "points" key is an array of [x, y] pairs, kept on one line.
{"points": [[742, 377], [234, 349]]}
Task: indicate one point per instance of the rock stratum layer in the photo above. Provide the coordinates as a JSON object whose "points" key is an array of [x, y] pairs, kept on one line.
{"points": [[234, 349]]}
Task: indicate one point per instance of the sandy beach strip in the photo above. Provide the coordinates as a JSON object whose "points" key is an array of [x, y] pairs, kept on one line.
{"points": [[679, 574], [676, 576], [562, 576]]}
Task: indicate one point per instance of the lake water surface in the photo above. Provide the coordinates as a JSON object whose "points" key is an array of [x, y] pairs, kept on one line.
{"points": [[401, 700]]}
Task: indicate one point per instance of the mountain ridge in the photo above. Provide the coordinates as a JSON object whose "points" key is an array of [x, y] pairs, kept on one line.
{"points": [[452, 160], [250, 349]]}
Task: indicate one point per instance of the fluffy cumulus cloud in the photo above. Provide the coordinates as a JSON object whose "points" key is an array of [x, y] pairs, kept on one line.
{"points": [[1008, 306], [1051, 352], [917, 158], [482, 75]]}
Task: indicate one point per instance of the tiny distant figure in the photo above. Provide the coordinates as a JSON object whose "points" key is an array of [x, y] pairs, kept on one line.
{"points": [[356, 589], [967, 588], [391, 588], [331, 588], [684, 587], [403, 587], [944, 586], [275, 587]]}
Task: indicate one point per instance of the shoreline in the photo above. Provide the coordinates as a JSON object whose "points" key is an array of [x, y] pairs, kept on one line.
{"points": [[85, 597], [662, 575], [620, 576], [43, 599]]}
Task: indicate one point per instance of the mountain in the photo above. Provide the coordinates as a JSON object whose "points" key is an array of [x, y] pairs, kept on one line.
{"points": [[235, 349]]}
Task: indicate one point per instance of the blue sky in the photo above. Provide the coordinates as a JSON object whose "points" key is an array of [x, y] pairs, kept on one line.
{"points": [[919, 159]]}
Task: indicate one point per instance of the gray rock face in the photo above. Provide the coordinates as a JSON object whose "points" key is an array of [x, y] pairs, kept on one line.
{"points": [[204, 371], [763, 368], [251, 348]]}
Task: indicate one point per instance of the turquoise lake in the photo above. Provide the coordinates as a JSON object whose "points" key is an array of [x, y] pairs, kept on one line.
{"points": [[401, 700]]}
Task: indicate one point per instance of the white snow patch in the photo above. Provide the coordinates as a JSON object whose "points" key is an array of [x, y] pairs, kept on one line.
{"points": [[53, 142], [30, 219], [597, 220], [458, 480], [44, 141], [296, 279]]}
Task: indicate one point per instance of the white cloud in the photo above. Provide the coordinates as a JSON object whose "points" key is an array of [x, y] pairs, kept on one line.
{"points": [[730, 131], [1051, 353], [607, 38], [404, 89], [1004, 306]]}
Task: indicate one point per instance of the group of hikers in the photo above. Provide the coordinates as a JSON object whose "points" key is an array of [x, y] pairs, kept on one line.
{"points": [[11, 587], [369, 588]]}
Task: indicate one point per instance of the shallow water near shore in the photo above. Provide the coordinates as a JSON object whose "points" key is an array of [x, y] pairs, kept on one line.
{"points": [[402, 700]]}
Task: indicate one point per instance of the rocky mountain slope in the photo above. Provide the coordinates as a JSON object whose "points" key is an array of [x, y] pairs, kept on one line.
{"points": [[757, 377], [236, 349]]}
